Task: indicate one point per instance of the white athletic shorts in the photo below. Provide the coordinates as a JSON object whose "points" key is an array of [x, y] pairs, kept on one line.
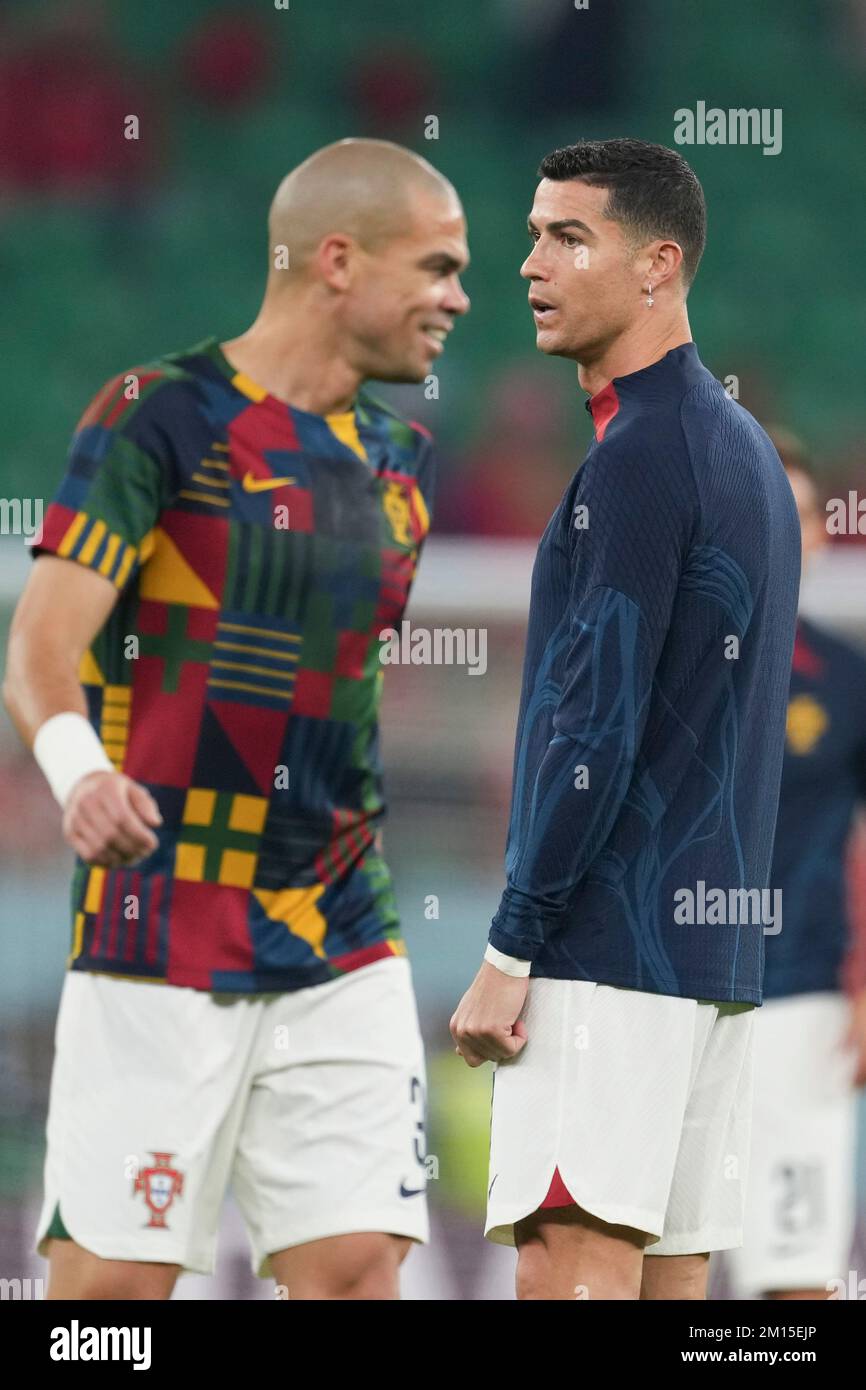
{"points": [[635, 1106], [309, 1103], [800, 1204]]}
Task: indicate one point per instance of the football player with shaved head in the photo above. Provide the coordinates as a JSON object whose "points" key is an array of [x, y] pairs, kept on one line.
{"points": [[195, 663]]}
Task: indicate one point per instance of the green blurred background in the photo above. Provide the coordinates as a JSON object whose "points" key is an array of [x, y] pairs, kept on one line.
{"points": [[113, 251]]}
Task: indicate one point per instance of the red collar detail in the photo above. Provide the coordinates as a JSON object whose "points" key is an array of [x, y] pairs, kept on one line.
{"points": [[602, 407]]}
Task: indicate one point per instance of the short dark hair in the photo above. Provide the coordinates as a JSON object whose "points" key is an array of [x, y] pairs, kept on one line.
{"points": [[654, 192]]}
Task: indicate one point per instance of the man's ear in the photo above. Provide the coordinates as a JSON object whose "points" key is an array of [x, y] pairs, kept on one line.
{"points": [[667, 262], [335, 259]]}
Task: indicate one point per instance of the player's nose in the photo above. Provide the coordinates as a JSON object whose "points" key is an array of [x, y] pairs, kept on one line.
{"points": [[456, 301], [531, 268]]}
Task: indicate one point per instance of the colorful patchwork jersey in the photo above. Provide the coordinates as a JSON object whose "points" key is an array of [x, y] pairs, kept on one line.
{"points": [[258, 551]]}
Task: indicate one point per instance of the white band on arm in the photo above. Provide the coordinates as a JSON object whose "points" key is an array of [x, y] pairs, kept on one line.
{"points": [[509, 965], [66, 747]]}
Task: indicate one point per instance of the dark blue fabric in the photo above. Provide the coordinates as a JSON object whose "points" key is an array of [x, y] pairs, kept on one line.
{"points": [[691, 542], [823, 781]]}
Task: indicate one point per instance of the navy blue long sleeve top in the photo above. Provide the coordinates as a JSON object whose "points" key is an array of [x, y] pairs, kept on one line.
{"points": [[652, 716]]}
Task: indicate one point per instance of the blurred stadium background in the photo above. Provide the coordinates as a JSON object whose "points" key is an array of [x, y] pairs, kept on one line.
{"points": [[113, 250]]}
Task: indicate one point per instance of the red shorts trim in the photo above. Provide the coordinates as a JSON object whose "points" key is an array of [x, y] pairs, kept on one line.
{"points": [[558, 1194]]}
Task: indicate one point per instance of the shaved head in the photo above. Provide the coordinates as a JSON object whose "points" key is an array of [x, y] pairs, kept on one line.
{"points": [[367, 246], [360, 188]]}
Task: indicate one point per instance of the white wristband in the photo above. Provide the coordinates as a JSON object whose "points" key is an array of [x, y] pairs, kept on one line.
{"points": [[509, 965], [66, 747]]}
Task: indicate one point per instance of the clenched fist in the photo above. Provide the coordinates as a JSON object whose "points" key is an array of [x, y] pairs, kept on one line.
{"points": [[485, 1026], [107, 820]]}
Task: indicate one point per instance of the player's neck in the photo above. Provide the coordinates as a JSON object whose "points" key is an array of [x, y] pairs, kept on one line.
{"points": [[635, 349], [294, 358]]}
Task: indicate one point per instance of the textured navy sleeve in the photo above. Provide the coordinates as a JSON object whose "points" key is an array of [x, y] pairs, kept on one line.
{"points": [[625, 554]]}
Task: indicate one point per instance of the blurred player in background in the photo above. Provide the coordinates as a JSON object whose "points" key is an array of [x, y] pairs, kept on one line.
{"points": [[648, 758], [810, 1035], [237, 524]]}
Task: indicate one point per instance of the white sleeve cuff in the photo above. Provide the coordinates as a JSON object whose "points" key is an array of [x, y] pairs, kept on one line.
{"points": [[509, 965]]}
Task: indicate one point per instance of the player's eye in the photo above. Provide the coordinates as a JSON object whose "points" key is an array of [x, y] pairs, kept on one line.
{"points": [[571, 240]]}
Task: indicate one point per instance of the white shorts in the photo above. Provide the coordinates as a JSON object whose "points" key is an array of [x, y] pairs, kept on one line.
{"points": [[800, 1204], [310, 1103], [637, 1104]]}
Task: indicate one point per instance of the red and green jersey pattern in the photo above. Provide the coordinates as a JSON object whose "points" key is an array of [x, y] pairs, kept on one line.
{"points": [[258, 551]]}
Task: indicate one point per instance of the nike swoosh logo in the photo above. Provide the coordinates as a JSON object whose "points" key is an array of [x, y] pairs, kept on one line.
{"points": [[253, 484], [409, 1191]]}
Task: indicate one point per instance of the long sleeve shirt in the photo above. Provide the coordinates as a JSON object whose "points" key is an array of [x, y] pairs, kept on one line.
{"points": [[652, 716]]}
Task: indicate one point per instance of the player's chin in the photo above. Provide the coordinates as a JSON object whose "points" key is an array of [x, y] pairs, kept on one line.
{"points": [[547, 339], [408, 372], [553, 343]]}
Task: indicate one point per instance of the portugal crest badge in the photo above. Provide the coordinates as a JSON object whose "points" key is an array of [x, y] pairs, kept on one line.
{"points": [[160, 1184], [807, 722], [399, 513]]}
